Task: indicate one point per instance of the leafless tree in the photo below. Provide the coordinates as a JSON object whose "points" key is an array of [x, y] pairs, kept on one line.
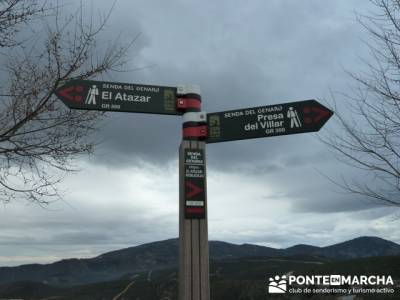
{"points": [[40, 49], [369, 138]]}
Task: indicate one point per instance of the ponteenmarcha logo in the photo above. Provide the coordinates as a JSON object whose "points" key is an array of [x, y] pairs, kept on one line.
{"points": [[372, 284], [277, 285]]}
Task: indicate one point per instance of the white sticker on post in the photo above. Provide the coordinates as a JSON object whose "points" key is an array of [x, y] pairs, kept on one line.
{"points": [[194, 203]]}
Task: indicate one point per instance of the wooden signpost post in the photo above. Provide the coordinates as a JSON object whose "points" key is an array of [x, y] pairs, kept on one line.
{"points": [[198, 129]]}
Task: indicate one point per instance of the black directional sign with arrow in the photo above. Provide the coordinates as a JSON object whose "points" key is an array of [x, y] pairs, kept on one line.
{"points": [[122, 97], [265, 121]]}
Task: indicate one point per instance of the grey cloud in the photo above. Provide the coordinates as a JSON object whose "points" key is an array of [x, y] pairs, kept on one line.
{"points": [[242, 54], [7, 240], [328, 203], [128, 139], [237, 64], [85, 232], [84, 238]]}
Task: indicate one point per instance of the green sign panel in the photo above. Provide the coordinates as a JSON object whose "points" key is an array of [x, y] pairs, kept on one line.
{"points": [[266, 121], [122, 97]]}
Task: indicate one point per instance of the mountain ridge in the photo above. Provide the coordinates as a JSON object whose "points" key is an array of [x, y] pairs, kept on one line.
{"points": [[164, 254]]}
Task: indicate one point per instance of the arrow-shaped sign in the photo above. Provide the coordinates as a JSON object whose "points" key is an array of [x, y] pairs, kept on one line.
{"points": [[115, 96], [265, 121]]}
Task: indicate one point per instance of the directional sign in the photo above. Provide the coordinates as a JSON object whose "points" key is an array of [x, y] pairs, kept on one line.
{"points": [[265, 121], [194, 184], [123, 97]]}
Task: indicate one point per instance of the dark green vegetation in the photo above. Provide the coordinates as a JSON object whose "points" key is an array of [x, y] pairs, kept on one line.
{"points": [[149, 271], [237, 278], [164, 255]]}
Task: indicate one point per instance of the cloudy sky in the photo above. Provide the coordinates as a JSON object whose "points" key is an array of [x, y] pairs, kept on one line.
{"points": [[271, 191]]}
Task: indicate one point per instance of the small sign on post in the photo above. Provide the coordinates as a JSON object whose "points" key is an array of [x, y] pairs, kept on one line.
{"points": [[266, 121], [194, 184]]}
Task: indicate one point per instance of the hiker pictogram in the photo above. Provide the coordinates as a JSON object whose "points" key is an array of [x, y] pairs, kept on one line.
{"points": [[294, 118], [91, 97]]}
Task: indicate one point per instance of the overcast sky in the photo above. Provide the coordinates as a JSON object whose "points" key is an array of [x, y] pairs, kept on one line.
{"points": [[270, 191]]}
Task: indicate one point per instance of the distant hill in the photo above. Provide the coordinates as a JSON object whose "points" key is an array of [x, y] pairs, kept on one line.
{"points": [[108, 266], [361, 247], [356, 248], [231, 278], [164, 255]]}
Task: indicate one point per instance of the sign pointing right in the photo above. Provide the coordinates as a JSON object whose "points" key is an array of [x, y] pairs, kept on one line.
{"points": [[265, 121]]}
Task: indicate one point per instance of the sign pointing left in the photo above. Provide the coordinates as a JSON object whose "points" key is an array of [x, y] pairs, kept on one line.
{"points": [[122, 97]]}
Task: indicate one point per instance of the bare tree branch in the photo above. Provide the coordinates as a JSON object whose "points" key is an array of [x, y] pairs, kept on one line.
{"points": [[369, 138], [39, 137]]}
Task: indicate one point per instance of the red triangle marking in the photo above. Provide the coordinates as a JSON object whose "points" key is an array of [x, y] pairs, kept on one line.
{"points": [[321, 114], [195, 189], [65, 92]]}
